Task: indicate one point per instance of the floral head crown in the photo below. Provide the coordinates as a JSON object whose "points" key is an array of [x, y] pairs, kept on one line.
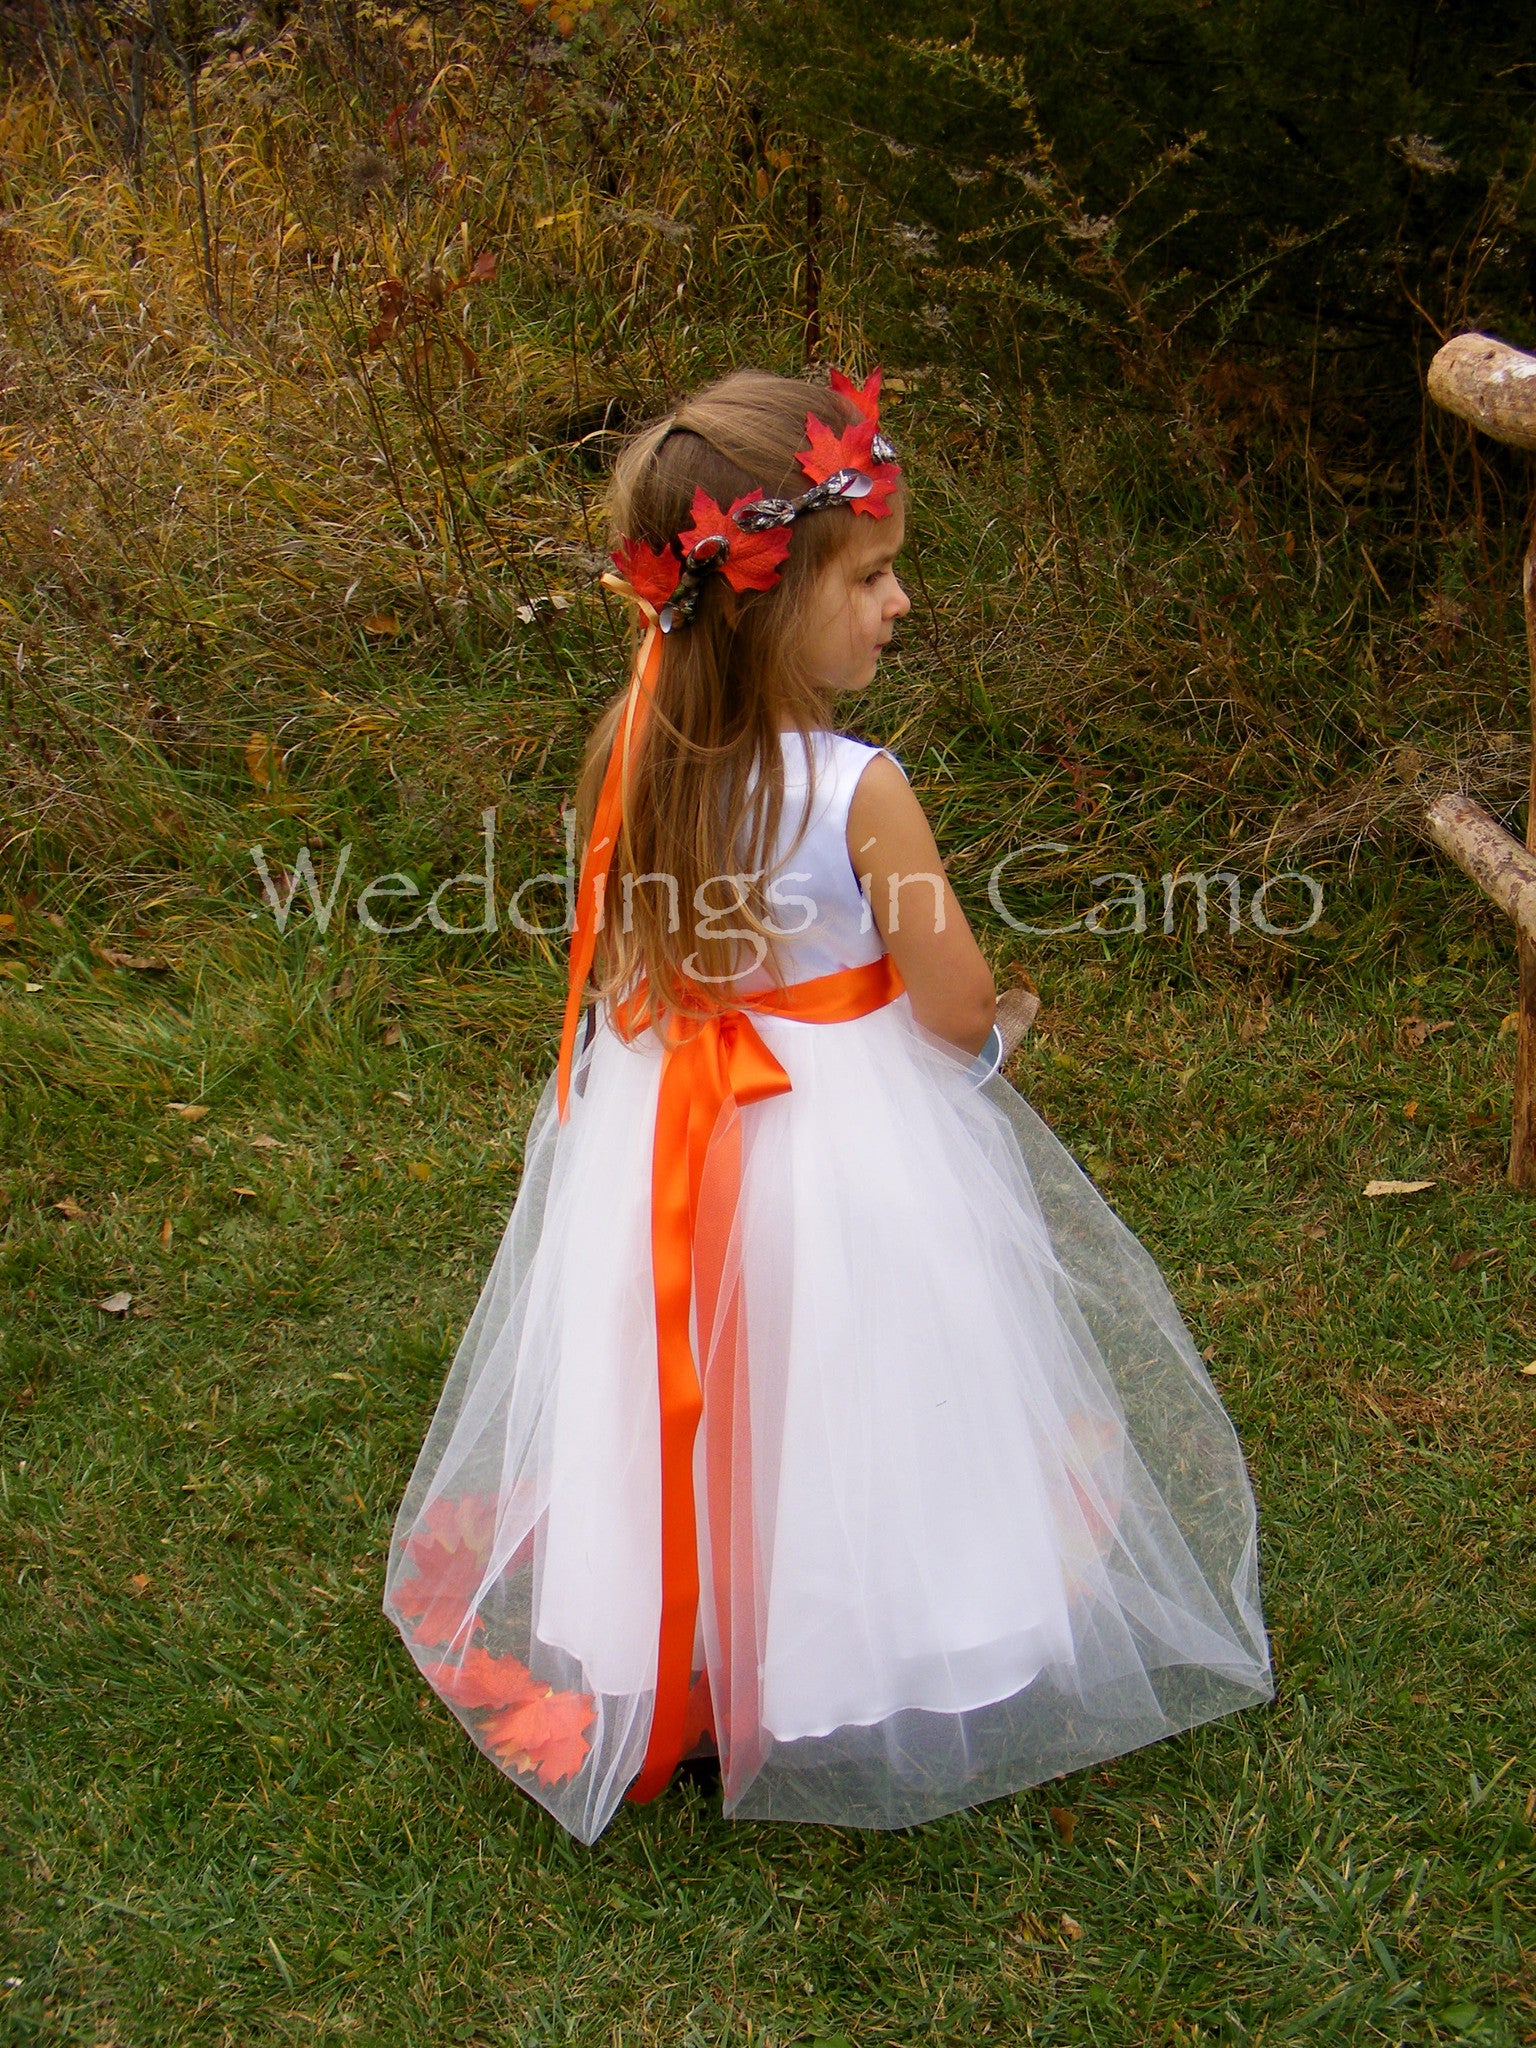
{"points": [[748, 541]]}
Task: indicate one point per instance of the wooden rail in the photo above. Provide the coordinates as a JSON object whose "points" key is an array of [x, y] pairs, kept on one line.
{"points": [[1493, 387]]}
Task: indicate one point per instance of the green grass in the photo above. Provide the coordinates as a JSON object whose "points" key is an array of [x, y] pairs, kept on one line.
{"points": [[232, 1816]]}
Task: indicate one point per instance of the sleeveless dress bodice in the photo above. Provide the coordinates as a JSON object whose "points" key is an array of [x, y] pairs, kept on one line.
{"points": [[813, 896]]}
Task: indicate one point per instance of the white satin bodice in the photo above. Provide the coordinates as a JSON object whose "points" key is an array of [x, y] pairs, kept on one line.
{"points": [[812, 893]]}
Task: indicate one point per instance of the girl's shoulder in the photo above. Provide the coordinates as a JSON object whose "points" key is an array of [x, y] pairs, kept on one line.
{"points": [[834, 756], [821, 775]]}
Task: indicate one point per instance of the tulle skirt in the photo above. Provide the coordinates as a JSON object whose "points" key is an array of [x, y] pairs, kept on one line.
{"points": [[969, 1510]]}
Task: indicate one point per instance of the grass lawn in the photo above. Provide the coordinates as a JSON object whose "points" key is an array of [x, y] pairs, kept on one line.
{"points": [[233, 1817]]}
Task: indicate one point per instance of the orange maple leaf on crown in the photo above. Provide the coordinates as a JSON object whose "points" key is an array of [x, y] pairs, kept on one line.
{"points": [[546, 1736], [752, 560], [853, 448], [651, 572], [865, 396]]}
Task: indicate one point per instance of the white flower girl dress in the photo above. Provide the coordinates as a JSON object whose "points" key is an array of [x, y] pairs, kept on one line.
{"points": [[961, 1509]]}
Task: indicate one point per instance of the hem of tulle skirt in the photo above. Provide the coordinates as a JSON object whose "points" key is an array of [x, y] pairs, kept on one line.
{"points": [[784, 1790]]}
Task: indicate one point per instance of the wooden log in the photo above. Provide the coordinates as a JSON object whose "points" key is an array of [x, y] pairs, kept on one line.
{"points": [[1489, 384], [1502, 868], [1493, 387], [1522, 1147]]}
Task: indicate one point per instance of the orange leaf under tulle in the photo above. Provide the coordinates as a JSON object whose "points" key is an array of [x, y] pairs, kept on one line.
{"points": [[546, 1735], [449, 1549], [529, 1726]]}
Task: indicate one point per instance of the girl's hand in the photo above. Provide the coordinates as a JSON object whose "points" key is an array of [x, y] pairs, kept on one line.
{"points": [[916, 912]]}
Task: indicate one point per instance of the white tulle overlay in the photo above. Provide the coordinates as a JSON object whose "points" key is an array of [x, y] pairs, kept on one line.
{"points": [[969, 1510]]}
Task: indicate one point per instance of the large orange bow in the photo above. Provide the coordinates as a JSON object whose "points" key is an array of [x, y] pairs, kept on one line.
{"points": [[713, 1063]]}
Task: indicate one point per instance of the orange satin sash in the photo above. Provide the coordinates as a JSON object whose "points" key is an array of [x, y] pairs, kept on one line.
{"points": [[713, 1064]]}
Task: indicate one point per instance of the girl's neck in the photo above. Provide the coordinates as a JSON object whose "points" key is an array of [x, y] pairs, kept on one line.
{"points": [[824, 720]]}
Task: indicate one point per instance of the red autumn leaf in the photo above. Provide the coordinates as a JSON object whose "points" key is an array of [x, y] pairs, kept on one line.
{"points": [[651, 574], [394, 310], [483, 267], [481, 1680], [865, 396], [439, 1616], [851, 449], [449, 1548], [547, 1736], [753, 559], [403, 125]]}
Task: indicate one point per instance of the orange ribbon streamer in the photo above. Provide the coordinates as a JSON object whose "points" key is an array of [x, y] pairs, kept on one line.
{"points": [[607, 827], [714, 1063]]}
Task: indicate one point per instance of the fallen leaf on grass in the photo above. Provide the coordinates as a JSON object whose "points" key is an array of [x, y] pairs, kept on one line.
{"points": [[1071, 1928], [1064, 1821], [1529, 1371], [418, 1169], [381, 625], [265, 1144], [1461, 1260], [264, 759], [140, 1582], [198, 1143], [189, 1111], [165, 1231], [138, 962], [33, 988], [1414, 1030], [1510, 1024], [1396, 1187], [116, 1304], [392, 1035], [7, 921], [69, 1209]]}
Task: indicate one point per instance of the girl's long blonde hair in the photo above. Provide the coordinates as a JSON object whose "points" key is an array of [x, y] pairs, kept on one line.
{"points": [[705, 791]]}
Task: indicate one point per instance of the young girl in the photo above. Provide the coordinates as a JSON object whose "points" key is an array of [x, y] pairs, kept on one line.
{"points": [[816, 1409]]}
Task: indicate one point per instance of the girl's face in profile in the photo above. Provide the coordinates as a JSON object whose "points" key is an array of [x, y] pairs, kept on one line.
{"points": [[856, 603]]}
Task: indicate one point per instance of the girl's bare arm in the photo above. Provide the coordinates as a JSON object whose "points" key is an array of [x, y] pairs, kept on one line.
{"points": [[916, 912]]}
